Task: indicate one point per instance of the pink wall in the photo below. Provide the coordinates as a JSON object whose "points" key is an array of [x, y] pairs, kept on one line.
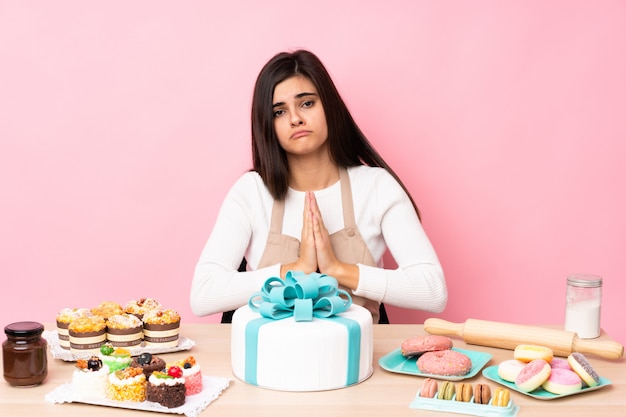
{"points": [[123, 125]]}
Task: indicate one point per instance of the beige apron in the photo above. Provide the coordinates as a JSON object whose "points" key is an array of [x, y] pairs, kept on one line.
{"points": [[347, 243]]}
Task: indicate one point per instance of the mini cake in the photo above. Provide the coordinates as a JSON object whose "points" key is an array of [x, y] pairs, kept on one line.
{"points": [[64, 318], [167, 388], [107, 309], [115, 358], [192, 374], [124, 330], [149, 363], [141, 306], [86, 335], [129, 384], [320, 351], [90, 378], [161, 328]]}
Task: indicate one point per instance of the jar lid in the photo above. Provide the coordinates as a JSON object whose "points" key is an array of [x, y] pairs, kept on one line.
{"points": [[24, 329], [584, 280]]}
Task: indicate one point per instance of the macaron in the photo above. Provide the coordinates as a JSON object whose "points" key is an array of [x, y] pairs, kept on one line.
{"points": [[509, 369], [501, 397], [464, 392], [583, 368], [429, 388], [562, 381], [527, 353], [482, 394], [446, 391], [415, 346], [532, 375], [444, 362]]}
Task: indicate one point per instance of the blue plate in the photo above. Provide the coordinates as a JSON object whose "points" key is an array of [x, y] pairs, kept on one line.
{"points": [[398, 363], [541, 394]]}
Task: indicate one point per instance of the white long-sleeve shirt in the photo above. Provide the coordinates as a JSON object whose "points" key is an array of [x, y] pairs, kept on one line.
{"points": [[384, 216]]}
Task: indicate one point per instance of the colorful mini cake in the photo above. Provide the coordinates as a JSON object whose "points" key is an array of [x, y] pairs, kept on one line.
{"points": [[115, 358], [167, 388], [161, 328], [142, 306], [318, 350], [90, 378], [64, 318], [149, 363], [86, 335], [107, 309], [192, 374], [124, 330], [129, 384]]}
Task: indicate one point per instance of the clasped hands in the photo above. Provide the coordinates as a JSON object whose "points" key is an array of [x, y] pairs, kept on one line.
{"points": [[316, 251]]}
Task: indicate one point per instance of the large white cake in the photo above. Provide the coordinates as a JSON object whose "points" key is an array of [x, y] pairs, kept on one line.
{"points": [[316, 355]]}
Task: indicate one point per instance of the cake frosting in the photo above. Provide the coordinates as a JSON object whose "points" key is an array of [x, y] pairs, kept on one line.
{"points": [[302, 334]]}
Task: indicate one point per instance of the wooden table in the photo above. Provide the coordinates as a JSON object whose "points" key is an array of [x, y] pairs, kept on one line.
{"points": [[383, 394]]}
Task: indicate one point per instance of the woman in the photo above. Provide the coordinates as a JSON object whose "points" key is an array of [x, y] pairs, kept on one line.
{"points": [[319, 198]]}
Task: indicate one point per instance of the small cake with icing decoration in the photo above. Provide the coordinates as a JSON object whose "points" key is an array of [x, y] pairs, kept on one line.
{"points": [[86, 335], [63, 320], [161, 328], [107, 309], [148, 362], [124, 330], [167, 387], [141, 306], [90, 378], [192, 374], [115, 358], [128, 384]]}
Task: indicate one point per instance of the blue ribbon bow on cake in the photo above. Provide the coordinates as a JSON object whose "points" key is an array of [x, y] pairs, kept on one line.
{"points": [[300, 295]]}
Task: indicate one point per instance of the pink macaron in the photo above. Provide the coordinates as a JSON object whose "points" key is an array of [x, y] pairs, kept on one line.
{"points": [[562, 381], [532, 375], [429, 388]]}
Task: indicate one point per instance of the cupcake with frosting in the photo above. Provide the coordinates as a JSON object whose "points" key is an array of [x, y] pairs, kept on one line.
{"points": [[142, 306], [90, 378], [86, 335], [161, 328], [63, 320], [192, 374], [167, 387], [116, 358], [129, 384], [124, 330]]}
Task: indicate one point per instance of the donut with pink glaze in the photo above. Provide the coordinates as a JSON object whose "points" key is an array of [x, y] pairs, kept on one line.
{"points": [[532, 375], [562, 381]]}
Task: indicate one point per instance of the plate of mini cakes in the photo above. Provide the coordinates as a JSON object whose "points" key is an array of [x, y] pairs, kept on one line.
{"points": [[144, 383]]}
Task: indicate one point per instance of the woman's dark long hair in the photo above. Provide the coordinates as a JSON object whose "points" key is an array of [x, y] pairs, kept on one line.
{"points": [[348, 146]]}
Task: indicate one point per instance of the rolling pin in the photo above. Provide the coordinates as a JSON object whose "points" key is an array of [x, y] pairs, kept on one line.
{"points": [[508, 336]]}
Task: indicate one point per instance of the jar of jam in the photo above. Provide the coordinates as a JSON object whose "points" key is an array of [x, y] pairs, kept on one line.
{"points": [[24, 354]]}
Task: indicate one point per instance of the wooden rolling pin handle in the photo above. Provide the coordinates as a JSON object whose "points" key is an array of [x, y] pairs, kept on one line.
{"points": [[605, 348], [443, 327]]}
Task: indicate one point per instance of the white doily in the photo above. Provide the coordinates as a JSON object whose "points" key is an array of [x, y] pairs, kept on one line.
{"points": [[52, 337], [212, 387]]}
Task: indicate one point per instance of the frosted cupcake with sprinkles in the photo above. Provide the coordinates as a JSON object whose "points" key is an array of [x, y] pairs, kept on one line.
{"points": [[161, 328]]}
